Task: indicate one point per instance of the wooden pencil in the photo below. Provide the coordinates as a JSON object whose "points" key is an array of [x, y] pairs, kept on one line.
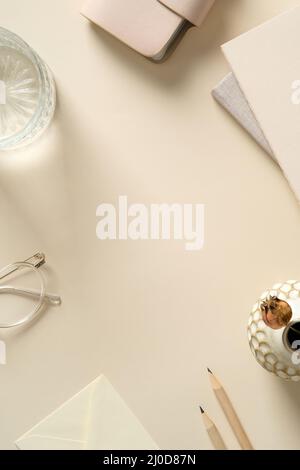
{"points": [[230, 413], [213, 432]]}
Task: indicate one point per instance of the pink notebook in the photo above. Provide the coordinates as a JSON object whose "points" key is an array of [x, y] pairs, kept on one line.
{"points": [[150, 27]]}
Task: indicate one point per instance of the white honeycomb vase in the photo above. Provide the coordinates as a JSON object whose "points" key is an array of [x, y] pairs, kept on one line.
{"points": [[269, 346]]}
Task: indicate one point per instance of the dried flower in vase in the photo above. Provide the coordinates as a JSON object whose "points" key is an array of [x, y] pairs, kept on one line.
{"points": [[276, 313]]}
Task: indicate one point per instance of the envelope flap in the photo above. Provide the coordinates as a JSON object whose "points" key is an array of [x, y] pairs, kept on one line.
{"points": [[194, 11], [68, 422], [95, 418], [112, 425], [48, 443]]}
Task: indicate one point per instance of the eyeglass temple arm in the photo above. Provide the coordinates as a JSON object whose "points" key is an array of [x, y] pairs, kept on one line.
{"points": [[51, 299], [36, 260]]}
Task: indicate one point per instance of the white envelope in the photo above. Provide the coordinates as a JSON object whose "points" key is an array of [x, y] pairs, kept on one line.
{"points": [[97, 418]]}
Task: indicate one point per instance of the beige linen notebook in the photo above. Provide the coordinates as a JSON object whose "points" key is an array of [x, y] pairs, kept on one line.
{"points": [[229, 95], [266, 65]]}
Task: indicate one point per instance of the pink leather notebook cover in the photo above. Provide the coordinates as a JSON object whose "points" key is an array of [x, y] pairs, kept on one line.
{"points": [[145, 25]]}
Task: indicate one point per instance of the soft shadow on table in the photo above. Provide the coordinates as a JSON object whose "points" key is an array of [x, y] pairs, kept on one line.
{"points": [[196, 43], [36, 191], [41, 184], [292, 390], [37, 182], [40, 188], [38, 207]]}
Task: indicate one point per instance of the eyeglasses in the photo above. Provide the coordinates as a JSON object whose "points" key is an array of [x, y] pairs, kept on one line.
{"points": [[22, 300]]}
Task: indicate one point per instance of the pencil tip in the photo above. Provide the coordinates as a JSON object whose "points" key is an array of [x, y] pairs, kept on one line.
{"points": [[201, 409], [209, 370]]}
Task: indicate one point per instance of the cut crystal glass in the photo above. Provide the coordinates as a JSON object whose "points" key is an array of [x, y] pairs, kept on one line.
{"points": [[27, 92]]}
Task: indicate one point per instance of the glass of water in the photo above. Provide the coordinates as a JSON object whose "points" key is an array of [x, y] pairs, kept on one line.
{"points": [[27, 92]]}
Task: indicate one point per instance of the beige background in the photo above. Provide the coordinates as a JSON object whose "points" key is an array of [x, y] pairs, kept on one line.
{"points": [[147, 314]]}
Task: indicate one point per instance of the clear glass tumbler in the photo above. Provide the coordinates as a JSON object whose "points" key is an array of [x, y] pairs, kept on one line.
{"points": [[27, 92]]}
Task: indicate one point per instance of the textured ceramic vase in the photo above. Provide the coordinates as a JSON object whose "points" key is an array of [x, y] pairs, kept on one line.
{"points": [[276, 350]]}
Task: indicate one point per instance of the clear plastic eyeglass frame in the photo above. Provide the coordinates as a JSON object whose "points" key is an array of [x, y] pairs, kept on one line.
{"points": [[33, 263]]}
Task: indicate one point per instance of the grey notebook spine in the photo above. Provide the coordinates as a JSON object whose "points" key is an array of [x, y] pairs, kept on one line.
{"points": [[229, 95]]}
